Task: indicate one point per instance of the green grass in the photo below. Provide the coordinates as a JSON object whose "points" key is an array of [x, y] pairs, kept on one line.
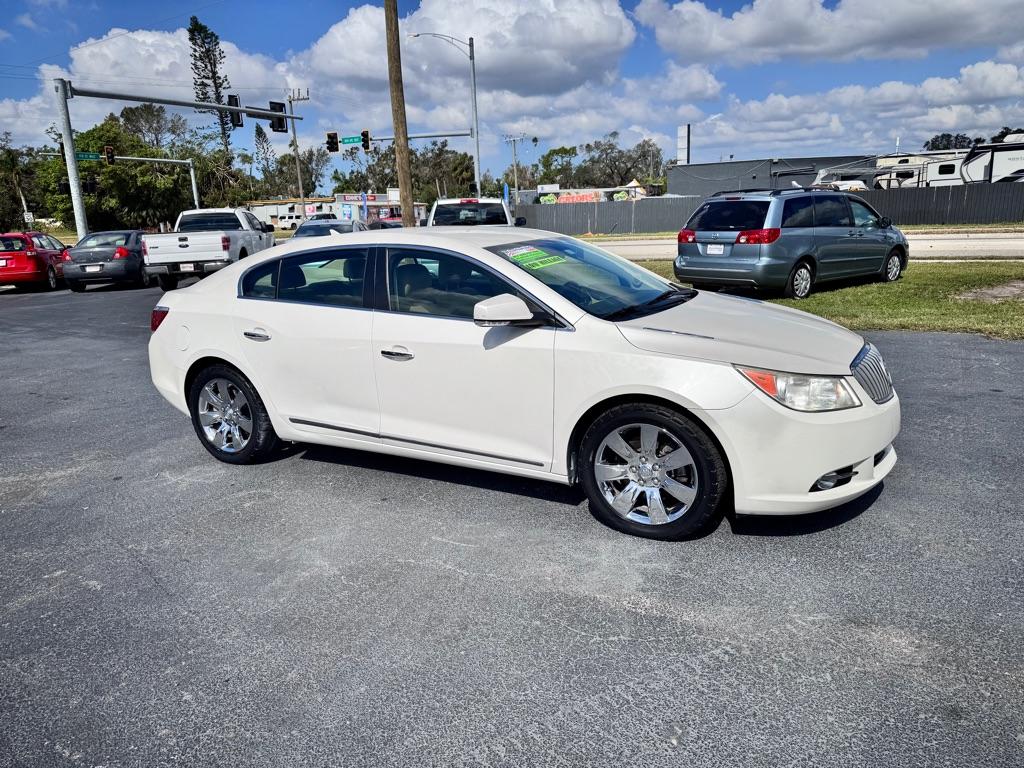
{"points": [[924, 299]]}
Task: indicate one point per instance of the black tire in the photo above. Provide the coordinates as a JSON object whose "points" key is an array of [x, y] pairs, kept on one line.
{"points": [[707, 469], [144, 280], [167, 282], [262, 440], [242, 254], [76, 286], [51, 280], [892, 269], [801, 280]]}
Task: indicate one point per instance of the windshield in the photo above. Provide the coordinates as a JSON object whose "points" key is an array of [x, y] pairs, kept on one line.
{"points": [[209, 222], [469, 214], [103, 238], [729, 216], [596, 281], [323, 228]]}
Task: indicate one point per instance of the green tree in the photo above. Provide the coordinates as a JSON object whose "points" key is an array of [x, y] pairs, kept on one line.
{"points": [[1004, 132], [943, 141], [266, 158], [153, 124], [13, 171], [208, 79], [557, 166]]}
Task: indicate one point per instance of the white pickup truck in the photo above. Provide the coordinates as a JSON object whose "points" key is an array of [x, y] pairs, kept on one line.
{"points": [[471, 211], [203, 241]]}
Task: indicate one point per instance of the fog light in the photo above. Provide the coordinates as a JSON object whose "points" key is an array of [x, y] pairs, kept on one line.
{"points": [[834, 479]]}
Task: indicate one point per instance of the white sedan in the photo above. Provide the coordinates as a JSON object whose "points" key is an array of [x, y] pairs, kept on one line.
{"points": [[534, 354]]}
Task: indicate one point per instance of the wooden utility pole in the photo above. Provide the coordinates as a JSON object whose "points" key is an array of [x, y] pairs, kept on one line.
{"points": [[398, 112]]}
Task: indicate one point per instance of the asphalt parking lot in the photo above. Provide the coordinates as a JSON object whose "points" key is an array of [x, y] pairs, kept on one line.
{"points": [[335, 608]]}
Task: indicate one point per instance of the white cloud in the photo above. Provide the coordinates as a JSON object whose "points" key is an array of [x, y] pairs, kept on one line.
{"points": [[4, 34], [25, 20], [772, 30]]}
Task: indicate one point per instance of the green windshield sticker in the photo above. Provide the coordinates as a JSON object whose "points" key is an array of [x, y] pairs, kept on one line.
{"points": [[533, 258]]}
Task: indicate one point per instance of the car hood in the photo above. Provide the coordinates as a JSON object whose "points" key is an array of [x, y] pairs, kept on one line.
{"points": [[731, 329]]}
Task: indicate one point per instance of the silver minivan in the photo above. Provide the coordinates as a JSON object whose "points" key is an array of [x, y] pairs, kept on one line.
{"points": [[789, 239]]}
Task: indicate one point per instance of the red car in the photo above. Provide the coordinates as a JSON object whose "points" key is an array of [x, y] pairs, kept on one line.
{"points": [[30, 259]]}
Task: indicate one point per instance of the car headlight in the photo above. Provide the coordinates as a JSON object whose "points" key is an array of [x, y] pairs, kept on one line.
{"points": [[802, 392]]}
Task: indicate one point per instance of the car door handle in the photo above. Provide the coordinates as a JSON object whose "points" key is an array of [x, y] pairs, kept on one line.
{"points": [[397, 354], [257, 334]]}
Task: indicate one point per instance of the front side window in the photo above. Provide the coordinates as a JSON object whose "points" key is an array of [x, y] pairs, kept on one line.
{"points": [[594, 280], [798, 212], [40, 243], [334, 278], [729, 216], [862, 215], [831, 211], [441, 284]]}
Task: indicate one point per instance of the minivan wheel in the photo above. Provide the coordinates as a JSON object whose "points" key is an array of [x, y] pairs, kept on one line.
{"points": [[800, 281], [229, 417], [893, 267], [649, 471]]}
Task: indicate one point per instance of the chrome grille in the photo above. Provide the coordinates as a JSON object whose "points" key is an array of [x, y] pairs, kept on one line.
{"points": [[870, 372]]}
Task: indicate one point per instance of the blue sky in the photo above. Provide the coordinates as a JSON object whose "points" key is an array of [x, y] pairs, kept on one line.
{"points": [[769, 78]]}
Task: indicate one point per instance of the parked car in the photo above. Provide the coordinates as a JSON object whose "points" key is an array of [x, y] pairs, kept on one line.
{"points": [[320, 217], [321, 227], [289, 220], [470, 211], [533, 354], [30, 260], [203, 241], [105, 257], [789, 239]]}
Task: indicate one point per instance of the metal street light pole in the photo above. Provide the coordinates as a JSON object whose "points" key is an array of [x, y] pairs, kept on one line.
{"points": [[293, 96], [456, 43]]}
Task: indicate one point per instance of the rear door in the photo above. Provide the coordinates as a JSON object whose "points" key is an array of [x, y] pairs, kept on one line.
{"points": [[717, 224], [47, 253], [835, 237]]}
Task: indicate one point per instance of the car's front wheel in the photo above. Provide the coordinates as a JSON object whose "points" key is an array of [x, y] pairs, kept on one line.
{"points": [[650, 471], [893, 267], [229, 416]]}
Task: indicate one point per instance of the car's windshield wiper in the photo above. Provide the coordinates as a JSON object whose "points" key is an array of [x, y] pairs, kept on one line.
{"points": [[682, 294]]}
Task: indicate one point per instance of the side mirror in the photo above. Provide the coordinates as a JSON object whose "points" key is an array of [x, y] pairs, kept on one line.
{"points": [[268, 227], [885, 222], [504, 309], [520, 221]]}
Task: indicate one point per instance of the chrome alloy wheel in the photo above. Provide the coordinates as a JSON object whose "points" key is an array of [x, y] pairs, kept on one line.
{"points": [[802, 281], [893, 267], [224, 415], [646, 474]]}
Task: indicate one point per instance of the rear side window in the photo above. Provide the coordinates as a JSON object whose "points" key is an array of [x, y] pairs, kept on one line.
{"points": [[831, 211], [729, 216], [798, 212], [333, 278], [947, 169], [261, 282]]}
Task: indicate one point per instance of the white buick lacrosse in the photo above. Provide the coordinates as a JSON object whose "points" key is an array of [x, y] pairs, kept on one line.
{"points": [[534, 354]]}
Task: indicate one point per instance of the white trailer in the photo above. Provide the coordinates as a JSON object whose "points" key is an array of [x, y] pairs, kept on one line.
{"points": [[995, 163]]}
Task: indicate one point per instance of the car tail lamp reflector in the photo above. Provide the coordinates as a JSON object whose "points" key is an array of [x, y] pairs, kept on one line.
{"points": [[30, 253], [225, 243], [120, 252], [687, 236], [469, 200], [65, 255], [758, 236], [145, 248], [157, 317]]}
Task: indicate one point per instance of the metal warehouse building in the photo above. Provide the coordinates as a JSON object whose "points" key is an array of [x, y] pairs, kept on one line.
{"points": [[703, 179]]}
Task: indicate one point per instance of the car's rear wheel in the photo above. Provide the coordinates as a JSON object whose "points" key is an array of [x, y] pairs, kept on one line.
{"points": [[801, 281], [650, 471], [167, 282], [893, 268], [76, 286], [229, 416], [50, 283], [144, 280]]}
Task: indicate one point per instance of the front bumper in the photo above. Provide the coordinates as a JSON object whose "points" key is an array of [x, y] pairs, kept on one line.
{"points": [[107, 271], [181, 269], [777, 454]]}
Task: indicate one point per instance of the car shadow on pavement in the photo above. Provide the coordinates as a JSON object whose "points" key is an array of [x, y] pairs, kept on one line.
{"points": [[447, 473], [802, 525]]}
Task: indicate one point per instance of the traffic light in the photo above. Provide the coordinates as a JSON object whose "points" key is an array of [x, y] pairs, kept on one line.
{"points": [[236, 117], [365, 136], [278, 124], [89, 186], [108, 154], [64, 186], [332, 141]]}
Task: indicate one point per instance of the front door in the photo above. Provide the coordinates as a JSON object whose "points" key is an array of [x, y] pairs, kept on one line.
{"points": [[305, 330], [872, 241], [834, 237], [447, 385]]}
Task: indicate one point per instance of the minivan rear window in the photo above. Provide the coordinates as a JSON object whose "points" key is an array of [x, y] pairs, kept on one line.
{"points": [[729, 216]]}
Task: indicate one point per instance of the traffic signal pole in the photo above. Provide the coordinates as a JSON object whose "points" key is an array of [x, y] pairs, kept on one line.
{"points": [[63, 89], [294, 96]]}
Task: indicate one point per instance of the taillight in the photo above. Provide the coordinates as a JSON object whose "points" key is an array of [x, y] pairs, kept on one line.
{"points": [[758, 236], [145, 248], [157, 317], [687, 236], [225, 243], [120, 252], [65, 255]]}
